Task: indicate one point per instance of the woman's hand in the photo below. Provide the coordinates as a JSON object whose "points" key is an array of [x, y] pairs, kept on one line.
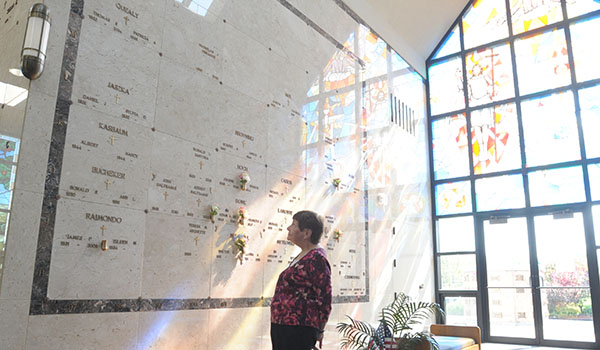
{"points": [[319, 340]]}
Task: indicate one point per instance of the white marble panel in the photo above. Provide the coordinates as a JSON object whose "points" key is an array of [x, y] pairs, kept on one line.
{"points": [[286, 141], [241, 126], [102, 331], [80, 269], [106, 159], [347, 257], [234, 329], [189, 103], [15, 15], [114, 75], [21, 243], [167, 330], [246, 65], [176, 257], [138, 22], [13, 324], [184, 171], [194, 40], [37, 131], [234, 275], [323, 13]]}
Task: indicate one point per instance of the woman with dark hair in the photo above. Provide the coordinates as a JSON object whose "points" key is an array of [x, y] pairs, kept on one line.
{"points": [[301, 304]]}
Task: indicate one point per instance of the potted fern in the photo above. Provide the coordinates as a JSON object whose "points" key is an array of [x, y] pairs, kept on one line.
{"points": [[396, 320]]}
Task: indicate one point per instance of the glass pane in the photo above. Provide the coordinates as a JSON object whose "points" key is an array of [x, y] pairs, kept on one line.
{"points": [[451, 44], [373, 52], [489, 75], [556, 186], [580, 7], [594, 176], [456, 234], [3, 221], [596, 218], [585, 49], [311, 122], [340, 71], [445, 86], [339, 115], [458, 272], [564, 279], [485, 22], [398, 62], [450, 151], [542, 62], [461, 311], [507, 253], [528, 15], [9, 148], [502, 192], [511, 312], [7, 178], [314, 89], [589, 102], [550, 129], [453, 198], [495, 138], [376, 112]]}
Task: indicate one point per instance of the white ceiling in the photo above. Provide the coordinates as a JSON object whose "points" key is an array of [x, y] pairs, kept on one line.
{"points": [[412, 27]]}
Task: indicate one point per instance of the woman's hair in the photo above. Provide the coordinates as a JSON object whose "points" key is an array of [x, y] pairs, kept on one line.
{"points": [[312, 221]]}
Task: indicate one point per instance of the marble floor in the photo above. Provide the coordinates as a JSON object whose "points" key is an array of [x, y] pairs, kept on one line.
{"points": [[494, 346]]}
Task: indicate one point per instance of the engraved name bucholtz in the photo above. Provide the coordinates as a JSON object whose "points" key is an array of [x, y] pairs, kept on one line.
{"points": [[107, 172]]}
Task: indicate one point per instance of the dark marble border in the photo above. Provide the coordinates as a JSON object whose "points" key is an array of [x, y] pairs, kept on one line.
{"points": [[40, 303]]}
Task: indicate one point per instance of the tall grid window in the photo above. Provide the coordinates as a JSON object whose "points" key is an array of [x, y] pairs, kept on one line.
{"points": [[514, 112]]}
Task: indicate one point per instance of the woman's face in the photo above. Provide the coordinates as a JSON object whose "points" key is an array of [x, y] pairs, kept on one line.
{"points": [[294, 233]]}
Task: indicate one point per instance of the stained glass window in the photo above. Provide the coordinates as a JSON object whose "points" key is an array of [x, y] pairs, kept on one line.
{"points": [[556, 186], [589, 102], [501, 192], [9, 148], [484, 22], [451, 44], [580, 7], [314, 89], [445, 86], [550, 129], [340, 71], [373, 52], [339, 115], [456, 234], [489, 75], [495, 139], [453, 198], [542, 62], [584, 38], [531, 14], [450, 147], [377, 104], [594, 175], [311, 120]]}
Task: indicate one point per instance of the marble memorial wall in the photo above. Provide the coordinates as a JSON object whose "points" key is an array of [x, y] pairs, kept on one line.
{"points": [[149, 115]]}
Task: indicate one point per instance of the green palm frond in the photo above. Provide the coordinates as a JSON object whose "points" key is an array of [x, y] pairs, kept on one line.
{"points": [[356, 334]]}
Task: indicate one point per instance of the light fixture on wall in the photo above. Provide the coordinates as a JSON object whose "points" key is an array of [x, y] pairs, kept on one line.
{"points": [[33, 54]]}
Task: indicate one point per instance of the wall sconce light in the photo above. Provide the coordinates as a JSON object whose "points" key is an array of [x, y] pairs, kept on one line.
{"points": [[35, 44]]}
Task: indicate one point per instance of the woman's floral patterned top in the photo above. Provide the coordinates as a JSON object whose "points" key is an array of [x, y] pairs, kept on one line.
{"points": [[303, 292]]}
